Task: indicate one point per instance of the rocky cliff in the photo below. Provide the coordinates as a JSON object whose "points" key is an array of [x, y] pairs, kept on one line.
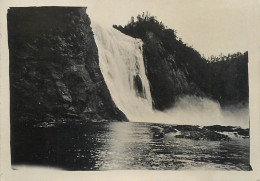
{"points": [[54, 66], [168, 80], [175, 69], [171, 65]]}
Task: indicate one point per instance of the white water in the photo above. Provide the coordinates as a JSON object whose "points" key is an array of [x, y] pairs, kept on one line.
{"points": [[120, 59]]}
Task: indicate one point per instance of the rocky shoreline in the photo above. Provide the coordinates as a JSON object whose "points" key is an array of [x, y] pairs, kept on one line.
{"points": [[192, 132]]}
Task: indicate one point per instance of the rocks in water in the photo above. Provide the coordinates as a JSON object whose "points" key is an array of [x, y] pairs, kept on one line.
{"points": [[54, 66], [202, 135], [157, 132], [229, 130], [212, 133]]}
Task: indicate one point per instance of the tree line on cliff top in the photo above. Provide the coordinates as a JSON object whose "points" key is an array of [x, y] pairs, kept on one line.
{"points": [[223, 78]]}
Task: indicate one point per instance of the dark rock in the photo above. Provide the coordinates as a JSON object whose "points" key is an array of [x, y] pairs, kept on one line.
{"points": [[231, 129], [195, 133], [168, 73], [175, 69], [157, 132], [54, 66], [167, 82], [139, 86]]}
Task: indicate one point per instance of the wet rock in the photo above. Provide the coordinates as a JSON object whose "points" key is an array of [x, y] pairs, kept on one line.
{"points": [[230, 129], [54, 66], [195, 133], [139, 86], [157, 132]]}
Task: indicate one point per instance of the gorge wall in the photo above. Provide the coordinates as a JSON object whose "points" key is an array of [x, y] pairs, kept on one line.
{"points": [[175, 69], [55, 71], [54, 66]]}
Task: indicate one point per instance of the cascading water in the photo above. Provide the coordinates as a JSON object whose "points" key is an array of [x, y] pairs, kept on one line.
{"points": [[121, 63], [122, 66]]}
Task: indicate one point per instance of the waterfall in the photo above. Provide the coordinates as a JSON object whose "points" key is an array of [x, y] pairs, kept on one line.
{"points": [[122, 66]]}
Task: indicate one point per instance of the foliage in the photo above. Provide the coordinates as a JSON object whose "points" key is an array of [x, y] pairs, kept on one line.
{"points": [[229, 78], [211, 75]]}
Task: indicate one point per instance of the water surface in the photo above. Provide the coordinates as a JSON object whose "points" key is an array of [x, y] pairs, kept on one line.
{"points": [[122, 146]]}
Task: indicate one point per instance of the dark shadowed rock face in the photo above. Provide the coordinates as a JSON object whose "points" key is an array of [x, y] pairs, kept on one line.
{"points": [[175, 69], [139, 89], [167, 80], [54, 68], [169, 63]]}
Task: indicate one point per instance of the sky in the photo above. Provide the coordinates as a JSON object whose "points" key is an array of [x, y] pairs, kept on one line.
{"points": [[210, 26]]}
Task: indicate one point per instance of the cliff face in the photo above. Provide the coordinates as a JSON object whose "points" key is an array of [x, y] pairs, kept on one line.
{"points": [[54, 67], [169, 63], [175, 69], [167, 80]]}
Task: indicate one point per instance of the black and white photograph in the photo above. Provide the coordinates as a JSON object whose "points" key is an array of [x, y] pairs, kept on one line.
{"points": [[130, 86]]}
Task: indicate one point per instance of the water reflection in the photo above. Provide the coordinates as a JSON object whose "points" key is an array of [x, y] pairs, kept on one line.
{"points": [[125, 146], [120, 146], [134, 146]]}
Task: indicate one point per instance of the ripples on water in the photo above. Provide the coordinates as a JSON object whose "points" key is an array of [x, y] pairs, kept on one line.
{"points": [[121, 146]]}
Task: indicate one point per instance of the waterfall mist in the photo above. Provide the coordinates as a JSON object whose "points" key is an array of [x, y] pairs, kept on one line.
{"points": [[204, 111], [122, 66]]}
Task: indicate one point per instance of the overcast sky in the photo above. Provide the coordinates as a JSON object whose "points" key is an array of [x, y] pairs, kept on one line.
{"points": [[210, 26]]}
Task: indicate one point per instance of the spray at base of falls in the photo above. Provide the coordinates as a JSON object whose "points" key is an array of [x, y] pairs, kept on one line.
{"points": [[122, 66]]}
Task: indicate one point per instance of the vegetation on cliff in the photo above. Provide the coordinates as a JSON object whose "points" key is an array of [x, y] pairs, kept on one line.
{"points": [[175, 69]]}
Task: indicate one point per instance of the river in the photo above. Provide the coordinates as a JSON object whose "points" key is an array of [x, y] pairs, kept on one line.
{"points": [[122, 146]]}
